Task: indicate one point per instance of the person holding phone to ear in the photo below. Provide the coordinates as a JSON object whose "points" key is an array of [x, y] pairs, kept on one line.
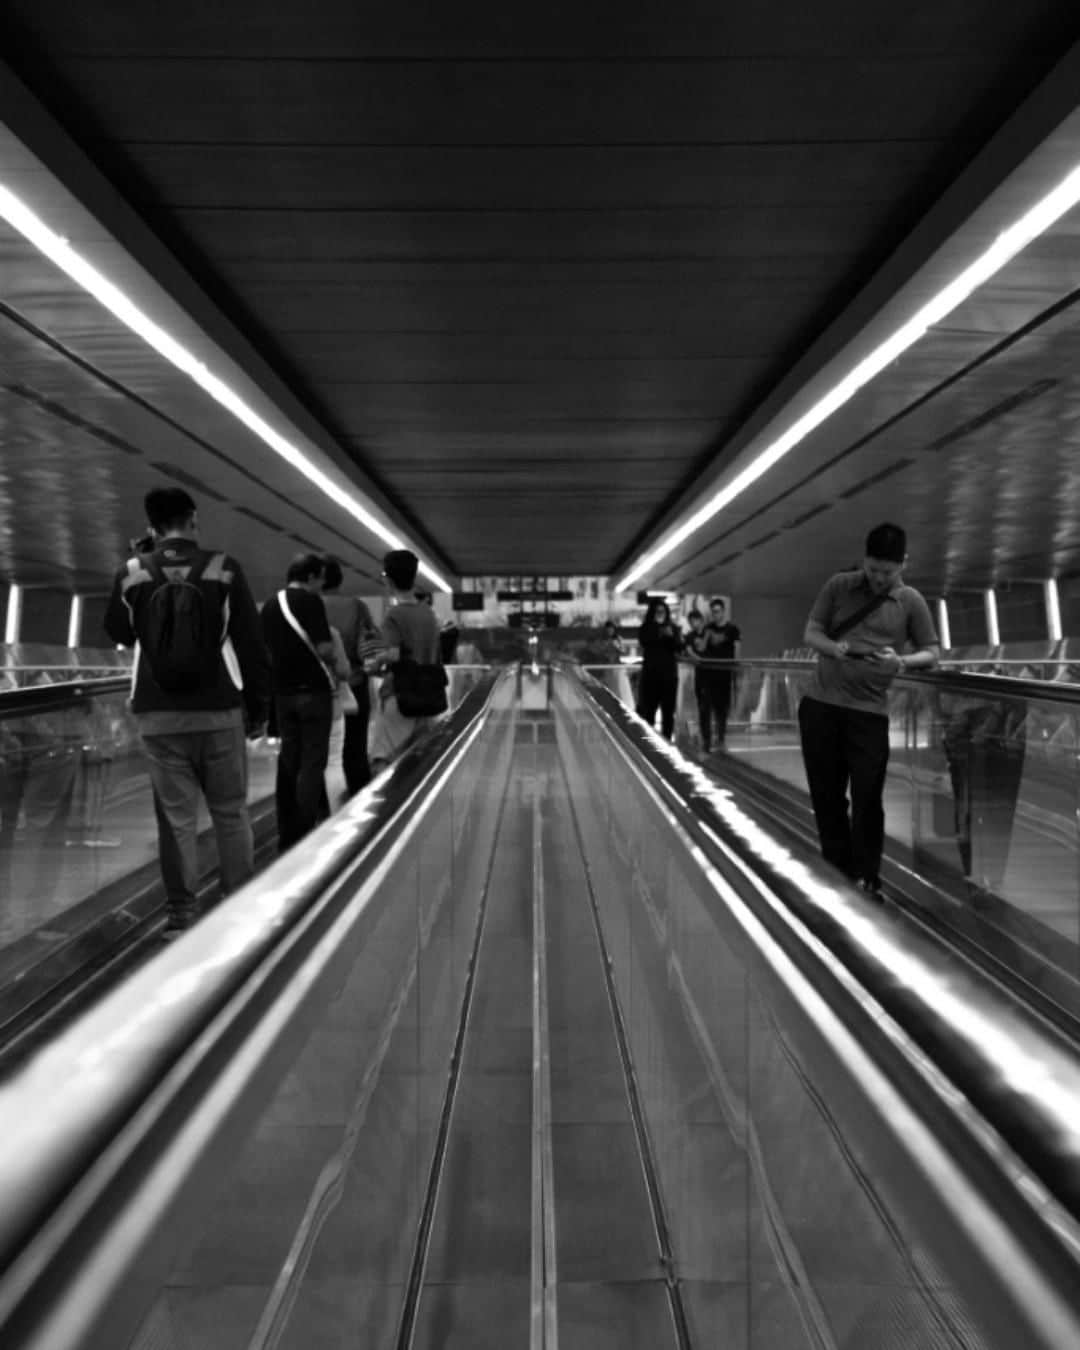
{"points": [[860, 625]]}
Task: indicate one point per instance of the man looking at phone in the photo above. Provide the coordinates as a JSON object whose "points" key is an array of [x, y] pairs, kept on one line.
{"points": [[860, 625]]}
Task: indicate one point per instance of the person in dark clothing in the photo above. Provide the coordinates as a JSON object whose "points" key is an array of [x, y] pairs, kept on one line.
{"points": [[696, 649], [721, 644], [859, 623], [192, 720], [611, 644], [985, 744], [297, 635], [449, 633], [449, 637], [661, 643], [352, 618]]}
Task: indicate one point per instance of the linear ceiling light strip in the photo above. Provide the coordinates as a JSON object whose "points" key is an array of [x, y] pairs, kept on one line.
{"points": [[1007, 245], [57, 249]]}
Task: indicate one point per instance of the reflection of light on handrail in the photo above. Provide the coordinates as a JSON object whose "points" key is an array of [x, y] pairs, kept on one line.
{"points": [[1051, 1080], [99, 1064]]}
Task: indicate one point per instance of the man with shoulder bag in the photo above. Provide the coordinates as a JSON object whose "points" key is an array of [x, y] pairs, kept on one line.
{"points": [[859, 625], [298, 637], [413, 689]]}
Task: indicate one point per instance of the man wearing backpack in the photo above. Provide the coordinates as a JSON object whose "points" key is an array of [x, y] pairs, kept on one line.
{"points": [[414, 687], [200, 681], [860, 625]]}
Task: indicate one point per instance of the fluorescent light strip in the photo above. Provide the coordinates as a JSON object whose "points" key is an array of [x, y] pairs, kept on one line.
{"points": [[13, 618], [990, 608], [944, 627], [1053, 610], [57, 249], [75, 618], [1004, 248]]}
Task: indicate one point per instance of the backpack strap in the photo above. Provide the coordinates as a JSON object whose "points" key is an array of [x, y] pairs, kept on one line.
{"points": [[204, 567]]}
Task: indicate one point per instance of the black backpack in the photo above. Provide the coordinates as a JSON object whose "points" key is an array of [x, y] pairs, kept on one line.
{"points": [[178, 635], [420, 690]]}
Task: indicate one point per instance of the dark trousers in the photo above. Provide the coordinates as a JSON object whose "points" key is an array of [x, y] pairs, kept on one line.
{"points": [[713, 692], [304, 722], [986, 772], [842, 748], [354, 756], [659, 690]]}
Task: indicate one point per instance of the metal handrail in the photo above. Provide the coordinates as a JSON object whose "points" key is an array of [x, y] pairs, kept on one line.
{"points": [[999, 1087], [946, 679], [94, 1114], [44, 698]]}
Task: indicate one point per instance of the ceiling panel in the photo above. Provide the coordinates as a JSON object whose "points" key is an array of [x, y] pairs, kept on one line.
{"points": [[324, 28], [984, 476], [347, 98], [530, 272]]}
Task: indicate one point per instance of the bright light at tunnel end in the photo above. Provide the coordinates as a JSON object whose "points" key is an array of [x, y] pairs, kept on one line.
{"points": [[1006, 246], [57, 249]]}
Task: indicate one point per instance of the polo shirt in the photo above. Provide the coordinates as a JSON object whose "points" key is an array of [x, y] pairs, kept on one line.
{"points": [[901, 621], [412, 627]]}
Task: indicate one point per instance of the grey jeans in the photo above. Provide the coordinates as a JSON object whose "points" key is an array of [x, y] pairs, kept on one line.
{"points": [[185, 766]]}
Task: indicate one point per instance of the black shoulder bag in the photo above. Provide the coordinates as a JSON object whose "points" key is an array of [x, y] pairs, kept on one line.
{"points": [[420, 689]]}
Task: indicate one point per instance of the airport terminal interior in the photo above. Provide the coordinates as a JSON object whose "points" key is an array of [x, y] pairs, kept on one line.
{"points": [[559, 1024]]}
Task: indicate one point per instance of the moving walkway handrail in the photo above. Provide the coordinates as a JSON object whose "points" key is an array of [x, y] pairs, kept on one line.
{"points": [[1000, 1087], [948, 678], [88, 1123], [44, 698]]}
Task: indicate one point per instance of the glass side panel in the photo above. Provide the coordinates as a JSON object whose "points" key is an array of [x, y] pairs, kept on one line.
{"points": [[981, 799], [787, 1228], [76, 810], [77, 814], [307, 1239]]}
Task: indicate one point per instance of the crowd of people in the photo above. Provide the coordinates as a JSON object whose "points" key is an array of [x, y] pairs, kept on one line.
{"points": [[867, 626], [707, 643], [311, 667]]}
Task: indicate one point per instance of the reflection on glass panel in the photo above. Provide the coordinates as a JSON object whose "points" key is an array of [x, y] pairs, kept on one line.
{"points": [[76, 811], [755, 1159], [994, 800], [982, 791], [309, 1238]]}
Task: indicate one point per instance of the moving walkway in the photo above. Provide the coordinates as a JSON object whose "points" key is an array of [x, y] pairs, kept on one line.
{"points": [[546, 1039]]}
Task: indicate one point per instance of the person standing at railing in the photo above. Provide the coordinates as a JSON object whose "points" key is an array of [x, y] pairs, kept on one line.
{"points": [[695, 650], [297, 636], [722, 641], [413, 689], [858, 625], [660, 642], [359, 634]]}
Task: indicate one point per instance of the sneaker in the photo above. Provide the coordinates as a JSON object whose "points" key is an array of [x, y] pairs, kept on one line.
{"points": [[872, 888]]}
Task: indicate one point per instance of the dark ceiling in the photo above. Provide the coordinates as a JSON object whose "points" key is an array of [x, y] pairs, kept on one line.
{"points": [[533, 271]]}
